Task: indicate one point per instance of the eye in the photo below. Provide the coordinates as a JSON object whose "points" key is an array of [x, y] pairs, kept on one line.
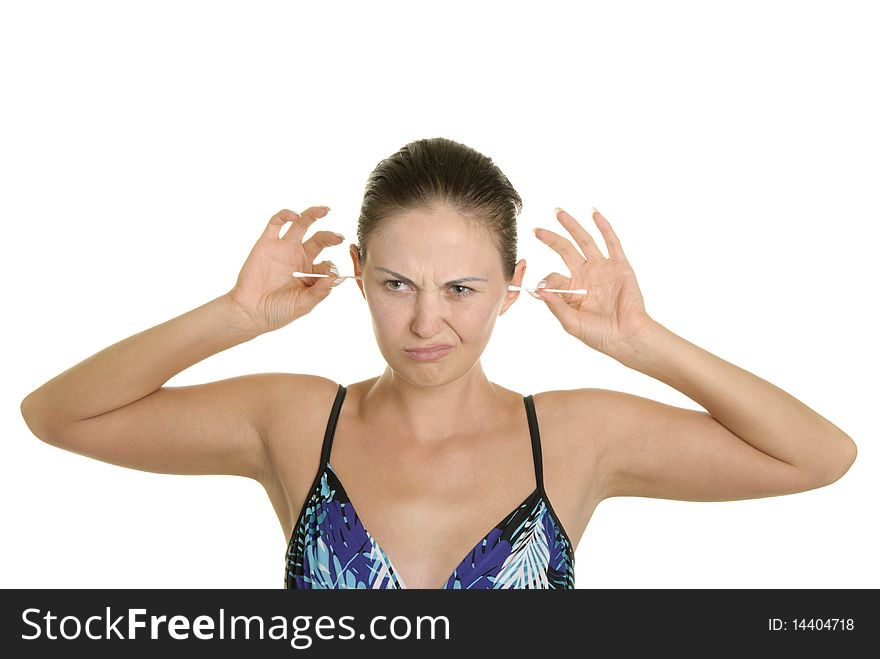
{"points": [[392, 281], [458, 289]]}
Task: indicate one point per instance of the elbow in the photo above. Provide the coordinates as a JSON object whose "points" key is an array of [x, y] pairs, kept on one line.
{"points": [[852, 453], [27, 410], [841, 461], [34, 418], [28, 414]]}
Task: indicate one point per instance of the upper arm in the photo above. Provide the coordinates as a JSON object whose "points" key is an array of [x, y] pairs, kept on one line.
{"points": [[212, 428], [650, 449]]}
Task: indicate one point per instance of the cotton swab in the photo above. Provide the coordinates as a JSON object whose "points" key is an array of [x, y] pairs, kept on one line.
{"points": [[574, 291], [511, 287], [308, 274]]}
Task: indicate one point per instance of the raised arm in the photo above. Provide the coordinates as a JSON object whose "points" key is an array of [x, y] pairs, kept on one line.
{"points": [[113, 406], [754, 440]]}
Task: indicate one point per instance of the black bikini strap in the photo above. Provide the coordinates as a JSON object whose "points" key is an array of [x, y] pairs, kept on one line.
{"points": [[331, 425], [536, 441]]}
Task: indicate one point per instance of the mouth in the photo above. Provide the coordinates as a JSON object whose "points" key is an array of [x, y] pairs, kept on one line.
{"points": [[429, 353]]}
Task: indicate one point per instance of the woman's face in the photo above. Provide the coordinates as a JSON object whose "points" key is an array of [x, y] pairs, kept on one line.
{"points": [[432, 278]]}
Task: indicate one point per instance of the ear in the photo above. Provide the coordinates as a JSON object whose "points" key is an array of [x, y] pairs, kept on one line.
{"points": [[353, 252], [518, 273]]}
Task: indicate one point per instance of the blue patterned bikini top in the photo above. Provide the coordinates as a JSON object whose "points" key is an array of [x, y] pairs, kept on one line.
{"points": [[330, 548]]}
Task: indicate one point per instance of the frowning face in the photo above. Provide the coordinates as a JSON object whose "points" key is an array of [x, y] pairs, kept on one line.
{"points": [[431, 278]]}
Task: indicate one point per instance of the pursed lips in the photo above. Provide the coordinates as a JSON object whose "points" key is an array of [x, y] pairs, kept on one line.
{"points": [[433, 348]]}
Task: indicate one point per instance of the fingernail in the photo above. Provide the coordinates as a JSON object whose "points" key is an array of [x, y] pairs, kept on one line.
{"points": [[535, 230], [596, 210], [541, 284], [337, 281], [338, 235], [556, 210], [325, 207], [333, 270]]}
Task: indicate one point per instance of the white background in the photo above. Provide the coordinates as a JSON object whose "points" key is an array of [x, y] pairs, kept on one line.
{"points": [[733, 147]]}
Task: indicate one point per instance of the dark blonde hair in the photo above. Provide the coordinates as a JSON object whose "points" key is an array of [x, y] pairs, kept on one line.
{"points": [[436, 172]]}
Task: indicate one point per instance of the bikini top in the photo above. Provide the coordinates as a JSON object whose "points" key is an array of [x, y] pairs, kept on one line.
{"points": [[330, 548]]}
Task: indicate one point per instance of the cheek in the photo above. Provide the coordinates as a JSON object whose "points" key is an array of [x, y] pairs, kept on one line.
{"points": [[487, 322], [472, 319], [383, 314], [390, 313]]}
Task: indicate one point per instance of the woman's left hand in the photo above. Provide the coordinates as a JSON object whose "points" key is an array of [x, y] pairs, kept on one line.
{"points": [[612, 314]]}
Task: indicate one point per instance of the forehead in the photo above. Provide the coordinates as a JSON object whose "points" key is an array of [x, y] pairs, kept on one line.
{"points": [[433, 236]]}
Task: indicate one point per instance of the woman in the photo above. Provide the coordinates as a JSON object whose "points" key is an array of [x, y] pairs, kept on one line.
{"points": [[458, 481]]}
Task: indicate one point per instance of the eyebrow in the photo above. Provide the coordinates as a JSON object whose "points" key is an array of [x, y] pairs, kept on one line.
{"points": [[410, 281]]}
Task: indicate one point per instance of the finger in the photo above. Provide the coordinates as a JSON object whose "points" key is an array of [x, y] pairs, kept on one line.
{"points": [[556, 280], [611, 240], [277, 221], [321, 287], [562, 246], [301, 225], [553, 280], [313, 246], [560, 308], [582, 237], [322, 268]]}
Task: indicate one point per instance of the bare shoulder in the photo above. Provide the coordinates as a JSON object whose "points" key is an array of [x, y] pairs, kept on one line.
{"points": [[295, 402], [580, 426], [575, 411], [289, 388], [571, 423], [645, 448], [294, 416]]}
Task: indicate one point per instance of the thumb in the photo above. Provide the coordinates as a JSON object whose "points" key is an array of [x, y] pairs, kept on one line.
{"points": [[322, 286], [564, 313]]}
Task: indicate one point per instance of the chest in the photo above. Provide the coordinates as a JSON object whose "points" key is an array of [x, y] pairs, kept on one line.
{"points": [[426, 507]]}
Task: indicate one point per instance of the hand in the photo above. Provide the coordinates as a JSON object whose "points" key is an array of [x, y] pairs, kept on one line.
{"points": [[612, 314], [266, 289]]}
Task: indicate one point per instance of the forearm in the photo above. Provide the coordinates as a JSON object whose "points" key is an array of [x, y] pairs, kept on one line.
{"points": [[139, 365], [755, 410]]}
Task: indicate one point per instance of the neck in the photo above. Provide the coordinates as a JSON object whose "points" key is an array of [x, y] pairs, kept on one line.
{"points": [[432, 413]]}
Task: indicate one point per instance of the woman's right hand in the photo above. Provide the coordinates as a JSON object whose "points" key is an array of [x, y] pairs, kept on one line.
{"points": [[266, 290]]}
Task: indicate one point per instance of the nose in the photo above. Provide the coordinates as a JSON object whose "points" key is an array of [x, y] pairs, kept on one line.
{"points": [[429, 312]]}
